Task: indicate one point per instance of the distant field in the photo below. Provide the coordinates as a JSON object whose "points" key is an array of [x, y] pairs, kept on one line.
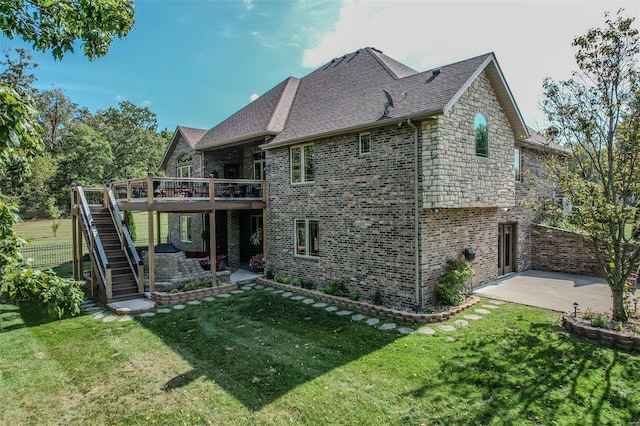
{"points": [[39, 231]]}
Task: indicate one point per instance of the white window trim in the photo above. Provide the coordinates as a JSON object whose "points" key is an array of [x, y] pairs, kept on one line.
{"points": [[302, 161], [306, 220], [180, 173], [518, 177], [360, 136]]}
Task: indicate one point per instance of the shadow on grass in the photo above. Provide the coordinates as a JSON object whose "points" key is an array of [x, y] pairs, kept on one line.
{"points": [[258, 346], [538, 374]]}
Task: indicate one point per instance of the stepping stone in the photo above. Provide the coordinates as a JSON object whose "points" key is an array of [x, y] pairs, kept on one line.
{"points": [[482, 311], [109, 318], [277, 291], [331, 309], [164, 311], [247, 287], [388, 326], [427, 330], [259, 287], [194, 302], [287, 294], [268, 288], [297, 298], [99, 316], [92, 310], [446, 327], [237, 291], [373, 321], [344, 313], [224, 295], [319, 305], [150, 314], [209, 299], [125, 318], [308, 301], [491, 306], [497, 302], [450, 339], [178, 306], [405, 330], [473, 317], [462, 323], [358, 317]]}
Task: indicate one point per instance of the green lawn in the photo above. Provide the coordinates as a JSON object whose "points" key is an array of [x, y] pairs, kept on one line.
{"points": [[39, 231], [260, 359]]}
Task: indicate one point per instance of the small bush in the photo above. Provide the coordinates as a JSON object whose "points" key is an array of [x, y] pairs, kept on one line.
{"points": [[283, 278], [335, 288], [207, 282], [450, 290], [377, 297], [308, 284], [354, 295], [595, 319], [296, 282], [270, 274], [192, 284]]}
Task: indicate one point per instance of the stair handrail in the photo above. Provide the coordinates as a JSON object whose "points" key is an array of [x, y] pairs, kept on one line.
{"points": [[95, 243], [126, 241]]}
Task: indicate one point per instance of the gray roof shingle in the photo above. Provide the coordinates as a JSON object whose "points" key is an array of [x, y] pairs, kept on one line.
{"points": [[346, 93]]}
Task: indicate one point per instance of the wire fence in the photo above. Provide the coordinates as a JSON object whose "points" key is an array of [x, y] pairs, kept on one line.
{"points": [[53, 254]]}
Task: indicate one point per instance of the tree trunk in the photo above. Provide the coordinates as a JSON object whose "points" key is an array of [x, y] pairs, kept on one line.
{"points": [[619, 313]]}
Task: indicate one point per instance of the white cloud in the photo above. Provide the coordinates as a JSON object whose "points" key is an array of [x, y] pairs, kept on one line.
{"points": [[531, 39], [254, 97], [120, 98], [146, 103], [248, 4]]}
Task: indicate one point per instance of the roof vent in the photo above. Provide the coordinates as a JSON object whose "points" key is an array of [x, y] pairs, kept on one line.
{"points": [[434, 74]]}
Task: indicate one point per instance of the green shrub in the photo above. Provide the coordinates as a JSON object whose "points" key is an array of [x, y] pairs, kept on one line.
{"points": [[308, 284], [283, 278], [296, 282], [451, 288], [207, 282], [270, 274], [354, 295], [192, 284], [335, 288], [377, 297], [595, 319]]}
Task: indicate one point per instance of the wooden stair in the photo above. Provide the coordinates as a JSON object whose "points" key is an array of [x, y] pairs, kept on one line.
{"points": [[123, 282]]}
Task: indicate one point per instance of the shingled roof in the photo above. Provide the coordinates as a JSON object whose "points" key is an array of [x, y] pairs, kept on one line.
{"points": [[346, 94], [190, 134]]}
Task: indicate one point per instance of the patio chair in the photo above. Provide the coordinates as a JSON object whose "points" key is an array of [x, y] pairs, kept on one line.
{"points": [[632, 281]]}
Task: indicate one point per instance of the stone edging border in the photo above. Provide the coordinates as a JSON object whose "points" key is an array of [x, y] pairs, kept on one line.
{"points": [[602, 336], [378, 311], [162, 298]]}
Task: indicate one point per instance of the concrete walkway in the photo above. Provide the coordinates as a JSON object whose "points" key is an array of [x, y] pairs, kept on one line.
{"points": [[551, 290]]}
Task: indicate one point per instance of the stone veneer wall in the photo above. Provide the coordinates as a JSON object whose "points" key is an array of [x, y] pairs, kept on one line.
{"points": [[364, 204], [454, 176], [559, 250]]}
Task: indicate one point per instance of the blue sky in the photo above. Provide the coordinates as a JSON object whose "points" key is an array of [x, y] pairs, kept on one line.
{"points": [[195, 62]]}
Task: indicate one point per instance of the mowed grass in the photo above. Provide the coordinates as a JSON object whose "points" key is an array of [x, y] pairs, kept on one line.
{"points": [[40, 232], [260, 359]]}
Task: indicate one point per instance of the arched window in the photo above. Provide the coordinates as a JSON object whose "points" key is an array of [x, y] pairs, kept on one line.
{"points": [[482, 136], [184, 167]]}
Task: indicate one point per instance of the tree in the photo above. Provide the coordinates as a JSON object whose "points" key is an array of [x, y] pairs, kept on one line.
{"points": [[56, 113], [597, 115], [57, 25], [135, 141]]}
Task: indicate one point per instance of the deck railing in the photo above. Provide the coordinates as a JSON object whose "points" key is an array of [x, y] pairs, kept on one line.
{"points": [[159, 189]]}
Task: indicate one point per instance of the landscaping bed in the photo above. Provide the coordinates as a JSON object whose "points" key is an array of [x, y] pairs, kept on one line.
{"points": [[377, 310], [599, 328]]}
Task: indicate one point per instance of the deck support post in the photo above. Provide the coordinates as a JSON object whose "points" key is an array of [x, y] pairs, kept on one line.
{"points": [[212, 245], [152, 245]]}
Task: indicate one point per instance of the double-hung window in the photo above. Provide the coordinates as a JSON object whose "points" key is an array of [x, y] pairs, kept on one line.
{"points": [[302, 163], [517, 164], [306, 237], [364, 142], [184, 168]]}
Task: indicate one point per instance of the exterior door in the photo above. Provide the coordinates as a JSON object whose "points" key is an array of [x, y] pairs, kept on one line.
{"points": [[506, 248]]}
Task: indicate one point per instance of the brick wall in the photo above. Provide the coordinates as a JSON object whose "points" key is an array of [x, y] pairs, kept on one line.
{"points": [[364, 204], [558, 250]]}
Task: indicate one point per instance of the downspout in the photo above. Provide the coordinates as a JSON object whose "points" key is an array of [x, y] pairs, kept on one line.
{"points": [[416, 213]]}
